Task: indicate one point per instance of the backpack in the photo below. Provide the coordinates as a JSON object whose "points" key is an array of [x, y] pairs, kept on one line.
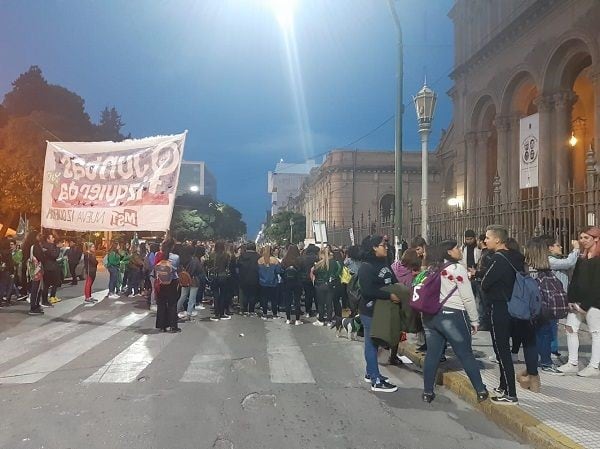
{"points": [[185, 279], [526, 300], [164, 272], [34, 267], [426, 291], [354, 293], [291, 275], [555, 305], [345, 276]]}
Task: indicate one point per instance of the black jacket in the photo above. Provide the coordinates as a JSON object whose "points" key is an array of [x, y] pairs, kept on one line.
{"points": [[74, 255], [499, 280], [373, 275], [584, 287], [51, 253], [247, 266], [306, 262]]}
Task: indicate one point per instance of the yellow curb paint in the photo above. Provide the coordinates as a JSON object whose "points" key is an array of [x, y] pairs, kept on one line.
{"points": [[512, 418]]}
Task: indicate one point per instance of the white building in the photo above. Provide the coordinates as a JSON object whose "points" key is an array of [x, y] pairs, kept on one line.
{"points": [[195, 177], [285, 181]]}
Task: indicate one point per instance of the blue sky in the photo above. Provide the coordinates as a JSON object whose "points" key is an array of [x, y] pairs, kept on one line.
{"points": [[219, 68]]}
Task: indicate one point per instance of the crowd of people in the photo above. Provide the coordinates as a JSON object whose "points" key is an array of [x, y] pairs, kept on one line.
{"points": [[466, 287]]}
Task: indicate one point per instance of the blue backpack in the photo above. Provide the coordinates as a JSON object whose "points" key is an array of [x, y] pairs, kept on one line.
{"points": [[526, 299]]}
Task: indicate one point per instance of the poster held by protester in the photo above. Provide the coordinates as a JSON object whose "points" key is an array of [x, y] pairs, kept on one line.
{"points": [[107, 186]]}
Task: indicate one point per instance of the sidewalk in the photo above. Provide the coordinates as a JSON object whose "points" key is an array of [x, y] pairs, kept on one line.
{"points": [[565, 414]]}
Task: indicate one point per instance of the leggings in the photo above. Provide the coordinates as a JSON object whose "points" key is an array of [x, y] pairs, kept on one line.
{"points": [[89, 281]]}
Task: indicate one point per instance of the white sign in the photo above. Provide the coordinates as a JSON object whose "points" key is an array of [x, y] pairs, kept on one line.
{"points": [[320, 231], [108, 186], [351, 230], [529, 151]]}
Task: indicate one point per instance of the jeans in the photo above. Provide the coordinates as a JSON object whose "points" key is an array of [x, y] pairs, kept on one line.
{"points": [[248, 298], [592, 318], [187, 294], [34, 298], [324, 295], [72, 267], [370, 350], [543, 338], [112, 281], [292, 298], [452, 326], [133, 285], [554, 342], [268, 294], [309, 296]]}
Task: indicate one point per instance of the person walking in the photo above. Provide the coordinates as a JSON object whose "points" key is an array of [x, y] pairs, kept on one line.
{"points": [[268, 271], [112, 262], [373, 275], [247, 266], [584, 304], [90, 266], [166, 299], [497, 284], [292, 289], [456, 321]]}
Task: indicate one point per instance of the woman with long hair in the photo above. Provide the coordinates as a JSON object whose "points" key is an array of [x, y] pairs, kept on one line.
{"points": [[35, 272], [219, 266], [326, 274], [113, 261], [166, 298], [456, 321], [90, 266], [268, 271], [374, 274], [584, 304], [292, 288]]}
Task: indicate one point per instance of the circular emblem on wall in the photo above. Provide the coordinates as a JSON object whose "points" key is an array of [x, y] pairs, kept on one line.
{"points": [[529, 151]]}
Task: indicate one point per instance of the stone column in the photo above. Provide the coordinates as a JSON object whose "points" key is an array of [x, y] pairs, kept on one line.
{"points": [[595, 77], [481, 176], [545, 105], [514, 172], [503, 127], [471, 159], [563, 102]]}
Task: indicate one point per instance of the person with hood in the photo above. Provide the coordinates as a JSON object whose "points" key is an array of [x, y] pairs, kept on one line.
{"points": [[584, 304], [497, 284], [307, 262], [247, 266]]}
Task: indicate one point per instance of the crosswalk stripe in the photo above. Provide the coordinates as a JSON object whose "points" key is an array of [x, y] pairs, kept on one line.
{"points": [[67, 306], [129, 364], [287, 363], [207, 368], [39, 367]]}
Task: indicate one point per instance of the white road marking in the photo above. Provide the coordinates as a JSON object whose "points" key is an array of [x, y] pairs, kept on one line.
{"points": [[207, 368], [128, 365], [287, 363], [68, 305], [39, 367]]}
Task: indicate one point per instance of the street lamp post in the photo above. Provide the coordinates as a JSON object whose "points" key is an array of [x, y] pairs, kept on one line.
{"points": [[291, 231], [398, 140], [425, 107]]}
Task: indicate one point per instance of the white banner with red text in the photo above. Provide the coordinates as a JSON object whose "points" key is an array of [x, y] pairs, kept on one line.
{"points": [[109, 186]]}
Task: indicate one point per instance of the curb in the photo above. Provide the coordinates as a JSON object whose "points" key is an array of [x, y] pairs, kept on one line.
{"points": [[513, 419]]}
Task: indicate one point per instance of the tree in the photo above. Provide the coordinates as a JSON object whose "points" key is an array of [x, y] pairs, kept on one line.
{"points": [[279, 228], [110, 125], [20, 193], [200, 217]]}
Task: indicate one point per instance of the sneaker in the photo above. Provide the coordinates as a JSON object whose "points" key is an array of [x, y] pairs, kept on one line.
{"points": [[46, 305], [89, 300], [552, 370], [182, 314], [505, 400], [568, 368], [318, 323], [307, 315], [493, 359], [153, 308], [298, 323], [288, 322], [556, 355], [36, 312], [499, 391], [384, 387], [114, 296], [264, 318], [52, 300], [589, 371], [199, 307], [194, 313], [57, 299], [212, 318], [226, 317], [367, 378]]}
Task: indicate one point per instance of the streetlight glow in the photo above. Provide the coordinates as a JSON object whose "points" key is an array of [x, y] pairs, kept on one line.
{"points": [[284, 12], [194, 189]]}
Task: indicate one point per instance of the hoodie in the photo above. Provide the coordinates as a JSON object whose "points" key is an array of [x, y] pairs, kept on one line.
{"points": [[248, 269], [404, 274], [499, 280]]}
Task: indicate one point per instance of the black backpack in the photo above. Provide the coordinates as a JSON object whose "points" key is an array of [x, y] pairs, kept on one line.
{"points": [[291, 275]]}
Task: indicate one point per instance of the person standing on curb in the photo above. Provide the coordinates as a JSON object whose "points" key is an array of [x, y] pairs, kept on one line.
{"points": [[497, 284]]}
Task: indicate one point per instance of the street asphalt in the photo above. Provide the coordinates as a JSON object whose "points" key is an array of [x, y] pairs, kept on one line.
{"points": [[87, 377]]}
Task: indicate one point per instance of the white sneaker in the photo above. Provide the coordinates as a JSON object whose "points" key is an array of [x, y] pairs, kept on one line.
{"points": [[568, 368], [114, 296], [589, 371], [298, 323], [288, 322], [153, 308], [319, 323], [200, 307], [182, 314], [307, 315], [194, 313], [493, 359]]}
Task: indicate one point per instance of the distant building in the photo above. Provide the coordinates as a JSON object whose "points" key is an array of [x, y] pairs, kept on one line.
{"points": [[285, 181], [195, 177]]}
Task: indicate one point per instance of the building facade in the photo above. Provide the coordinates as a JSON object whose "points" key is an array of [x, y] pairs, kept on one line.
{"points": [[194, 177], [285, 181], [355, 189], [533, 59]]}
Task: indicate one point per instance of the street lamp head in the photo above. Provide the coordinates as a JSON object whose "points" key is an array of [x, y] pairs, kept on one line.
{"points": [[194, 189], [425, 106]]}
